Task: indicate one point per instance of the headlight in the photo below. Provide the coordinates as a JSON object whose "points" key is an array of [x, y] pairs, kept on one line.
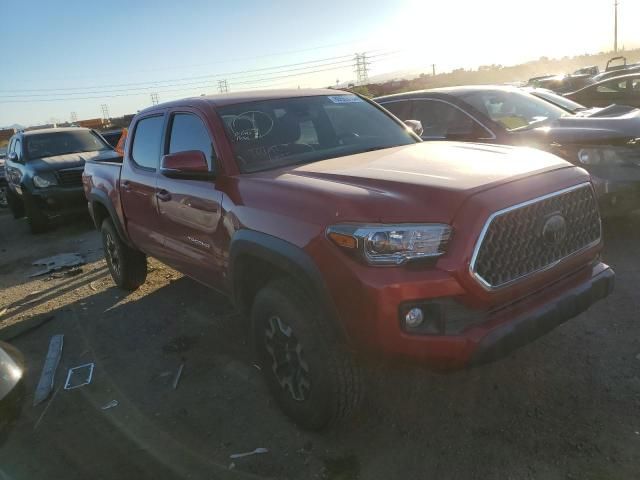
{"points": [[601, 156], [44, 181], [392, 244]]}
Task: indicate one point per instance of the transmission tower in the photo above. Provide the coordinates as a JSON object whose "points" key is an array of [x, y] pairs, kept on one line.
{"points": [[361, 68], [154, 99], [223, 86], [74, 117], [105, 111]]}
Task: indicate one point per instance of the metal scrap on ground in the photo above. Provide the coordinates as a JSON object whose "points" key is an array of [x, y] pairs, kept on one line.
{"points": [[111, 404], [79, 376], [47, 377], [257, 451], [58, 262]]}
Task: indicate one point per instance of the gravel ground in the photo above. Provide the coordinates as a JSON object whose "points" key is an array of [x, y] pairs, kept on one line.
{"points": [[564, 407]]}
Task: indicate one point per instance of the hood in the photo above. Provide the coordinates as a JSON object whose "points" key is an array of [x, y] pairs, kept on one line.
{"points": [[407, 183], [70, 160], [608, 126]]}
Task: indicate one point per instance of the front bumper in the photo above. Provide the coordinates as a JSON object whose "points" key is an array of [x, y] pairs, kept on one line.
{"points": [[496, 333], [57, 202]]}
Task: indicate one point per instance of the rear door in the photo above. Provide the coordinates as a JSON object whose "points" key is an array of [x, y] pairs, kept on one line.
{"points": [[190, 210], [612, 92], [138, 183]]}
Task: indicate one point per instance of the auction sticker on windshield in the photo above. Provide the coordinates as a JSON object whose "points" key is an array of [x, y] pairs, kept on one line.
{"points": [[345, 99]]}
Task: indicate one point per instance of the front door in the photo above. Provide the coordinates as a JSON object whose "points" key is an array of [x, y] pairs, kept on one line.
{"points": [[190, 210], [138, 184]]}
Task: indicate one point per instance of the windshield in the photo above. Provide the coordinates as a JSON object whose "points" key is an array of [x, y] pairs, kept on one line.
{"points": [[276, 133], [558, 100], [61, 143], [514, 110]]}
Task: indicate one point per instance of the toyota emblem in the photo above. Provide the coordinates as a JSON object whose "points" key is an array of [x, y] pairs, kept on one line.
{"points": [[554, 230]]}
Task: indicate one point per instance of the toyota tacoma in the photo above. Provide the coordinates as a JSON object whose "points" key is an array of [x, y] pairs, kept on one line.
{"points": [[342, 237]]}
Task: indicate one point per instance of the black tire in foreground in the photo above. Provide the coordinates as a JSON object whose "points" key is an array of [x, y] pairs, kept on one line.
{"points": [[314, 380], [38, 221], [128, 267], [15, 205]]}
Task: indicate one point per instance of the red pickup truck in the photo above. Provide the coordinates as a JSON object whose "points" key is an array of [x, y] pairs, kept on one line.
{"points": [[342, 236]]}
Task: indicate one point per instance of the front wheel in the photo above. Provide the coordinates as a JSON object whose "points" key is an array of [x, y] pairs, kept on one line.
{"points": [[15, 204], [314, 380], [128, 267], [38, 221]]}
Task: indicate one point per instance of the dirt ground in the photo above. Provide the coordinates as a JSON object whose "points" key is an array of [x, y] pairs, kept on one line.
{"points": [[564, 407]]}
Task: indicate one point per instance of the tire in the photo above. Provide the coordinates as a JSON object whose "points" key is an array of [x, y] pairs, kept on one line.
{"points": [[4, 202], [314, 380], [38, 221], [128, 267], [15, 204]]}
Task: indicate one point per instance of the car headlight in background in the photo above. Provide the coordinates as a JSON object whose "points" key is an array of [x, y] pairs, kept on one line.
{"points": [[602, 156], [44, 181], [392, 244]]}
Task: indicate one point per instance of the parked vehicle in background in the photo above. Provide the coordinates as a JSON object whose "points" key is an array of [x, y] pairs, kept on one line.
{"points": [[44, 172], [342, 236], [112, 136], [620, 90], [590, 70], [12, 388], [3, 179], [560, 83], [604, 145], [577, 108]]}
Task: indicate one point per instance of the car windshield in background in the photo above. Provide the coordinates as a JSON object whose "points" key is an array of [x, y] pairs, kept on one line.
{"points": [[61, 143], [514, 110], [276, 133]]}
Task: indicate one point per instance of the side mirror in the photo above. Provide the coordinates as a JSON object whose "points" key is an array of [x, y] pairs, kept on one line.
{"points": [[13, 157], [415, 126], [189, 165]]}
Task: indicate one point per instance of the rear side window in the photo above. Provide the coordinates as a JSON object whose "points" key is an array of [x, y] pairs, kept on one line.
{"points": [[147, 141], [399, 108], [188, 132]]}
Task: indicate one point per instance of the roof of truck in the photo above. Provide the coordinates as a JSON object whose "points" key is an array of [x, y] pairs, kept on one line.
{"points": [[232, 98]]}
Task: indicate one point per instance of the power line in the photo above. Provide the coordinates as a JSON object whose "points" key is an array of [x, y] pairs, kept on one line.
{"points": [[200, 82], [194, 85], [155, 82], [361, 69]]}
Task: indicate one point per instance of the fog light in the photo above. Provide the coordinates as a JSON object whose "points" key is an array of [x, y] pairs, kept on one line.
{"points": [[414, 318]]}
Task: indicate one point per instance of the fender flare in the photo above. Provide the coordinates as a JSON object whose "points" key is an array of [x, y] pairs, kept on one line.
{"points": [[101, 198], [286, 257]]}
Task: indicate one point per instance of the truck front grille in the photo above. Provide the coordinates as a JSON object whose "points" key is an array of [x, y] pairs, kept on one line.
{"points": [[70, 178], [535, 235]]}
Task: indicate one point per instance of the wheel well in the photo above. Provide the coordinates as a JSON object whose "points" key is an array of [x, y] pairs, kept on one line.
{"points": [[100, 212], [251, 274]]}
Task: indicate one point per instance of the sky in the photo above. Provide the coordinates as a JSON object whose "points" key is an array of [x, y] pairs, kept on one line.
{"points": [[74, 56]]}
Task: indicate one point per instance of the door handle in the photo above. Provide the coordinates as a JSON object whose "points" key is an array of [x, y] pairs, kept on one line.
{"points": [[163, 195], [126, 186]]}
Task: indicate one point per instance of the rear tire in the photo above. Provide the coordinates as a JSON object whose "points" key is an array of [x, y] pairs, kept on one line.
{"points": [[314, 380], [128, 267]]}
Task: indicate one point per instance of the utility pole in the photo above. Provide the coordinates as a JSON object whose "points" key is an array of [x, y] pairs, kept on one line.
{"points": [[74, 117], [615, 27], [105, 111], [361, 68], [223, 86], [154, 99], [433, 69]]}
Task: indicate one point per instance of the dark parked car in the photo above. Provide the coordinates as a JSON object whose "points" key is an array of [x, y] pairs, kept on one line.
{"points": [[112, 136], [342, 236], [620, 90], [3, 179], [44, 172], [606, 146], [12, 389], [577, 108]]}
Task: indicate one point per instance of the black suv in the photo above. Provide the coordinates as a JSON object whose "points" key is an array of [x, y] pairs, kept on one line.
{"points": [[44, 172]]}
